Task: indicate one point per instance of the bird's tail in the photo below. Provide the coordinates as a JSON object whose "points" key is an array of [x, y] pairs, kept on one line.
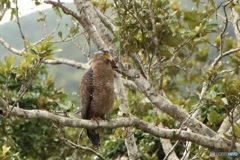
{"points": [[94, 137]]}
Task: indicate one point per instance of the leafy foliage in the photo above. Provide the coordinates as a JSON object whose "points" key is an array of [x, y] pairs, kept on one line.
{"points": [[176, 48], [28, 85]]}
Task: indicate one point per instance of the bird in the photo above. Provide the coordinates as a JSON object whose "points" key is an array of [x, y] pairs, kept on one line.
{"points": [[97, 91]]}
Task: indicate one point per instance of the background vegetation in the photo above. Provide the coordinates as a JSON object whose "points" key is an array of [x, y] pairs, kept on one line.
{"points": [[189, 53]]}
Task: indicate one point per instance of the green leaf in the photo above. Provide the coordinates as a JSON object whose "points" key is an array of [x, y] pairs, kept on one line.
{"points": [[115, 39], [212, 27], [41, 13], [9, 61], [213, 116], [172, 41], [50, 57], [225, 101], [28, 44], [13, 13], [236, 129], [237, 9], [32, 51], [2, 78], [60, 34], [56, 49], [57, 11], [73, 30], [67, 105], [20, 70], [191, 18]]}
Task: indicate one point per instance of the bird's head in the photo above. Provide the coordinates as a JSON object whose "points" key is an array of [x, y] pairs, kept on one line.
{"points": [[106, 57], [103, 55]]}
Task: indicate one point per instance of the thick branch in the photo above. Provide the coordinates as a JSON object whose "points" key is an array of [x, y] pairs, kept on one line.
{"points": [[166, 106], [211, 143], [87, 10], [160, 102], [124, 108]]}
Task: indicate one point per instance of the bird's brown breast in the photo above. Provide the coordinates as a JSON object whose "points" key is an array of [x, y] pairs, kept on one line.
{"points": [[97, 90], [103, 90]]}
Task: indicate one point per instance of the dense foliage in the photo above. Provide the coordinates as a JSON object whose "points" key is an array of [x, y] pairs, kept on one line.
{"points": [[174, 47]]}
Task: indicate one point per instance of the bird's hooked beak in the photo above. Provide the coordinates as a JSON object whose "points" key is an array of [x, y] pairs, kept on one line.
{"points": [[108, 56], [112, 61]]}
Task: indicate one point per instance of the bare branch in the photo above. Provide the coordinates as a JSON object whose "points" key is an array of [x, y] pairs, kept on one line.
{"points": [[211, 143], [9, 47], [168, 148], [171, 150], [90, 11], [165, 105], [222, 34], [124, 108], [74, 145], [108, 24], [166, 144], [83, 20], [19, 26], [3, 10], [225, 126], [194, 113], [55, 61], [130, 84], [227, 53], [65, 10], [68, 62], [237, 33]]}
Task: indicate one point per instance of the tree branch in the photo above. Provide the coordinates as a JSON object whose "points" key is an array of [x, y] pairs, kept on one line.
{"points": [[175, 134], [55, 61], [124, 108], [69, 62], [166, 106], [19, 26], [9, 47], [74, 145], [84, 20], [227, 53], [98, 33]]}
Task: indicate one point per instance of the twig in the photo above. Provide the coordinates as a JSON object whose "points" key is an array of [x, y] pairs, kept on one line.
{"points": [[9, 47], [224, 30], [53, 62], [65, 10], [68, 62], [220, 56], [172, 149], [74, 145], [80, 136], [24, 87], [3, 11], [20, 28]]}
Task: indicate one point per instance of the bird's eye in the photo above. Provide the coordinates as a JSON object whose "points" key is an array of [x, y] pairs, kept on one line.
{"points": [[105, 51]]}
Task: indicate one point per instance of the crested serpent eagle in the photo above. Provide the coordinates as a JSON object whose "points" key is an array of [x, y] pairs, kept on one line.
{"points": [[97, 91]]}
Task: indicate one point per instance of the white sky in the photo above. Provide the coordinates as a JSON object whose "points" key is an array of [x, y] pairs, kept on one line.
{"points": [[27, 7]]}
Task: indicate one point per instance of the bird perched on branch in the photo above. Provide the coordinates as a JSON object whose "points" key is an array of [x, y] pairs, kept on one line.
{"points": [[97, 91]]}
